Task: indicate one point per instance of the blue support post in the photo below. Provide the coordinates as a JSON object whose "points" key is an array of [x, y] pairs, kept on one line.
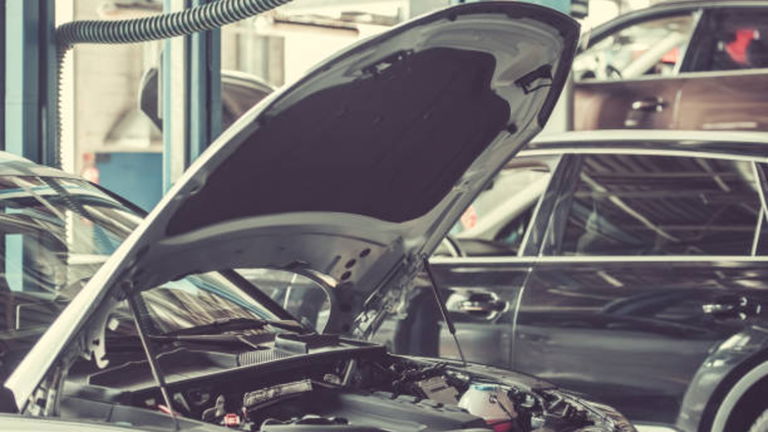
{"points": [[191, 89], [205, 89], [22, 108], [30, 80], [29, 123]]}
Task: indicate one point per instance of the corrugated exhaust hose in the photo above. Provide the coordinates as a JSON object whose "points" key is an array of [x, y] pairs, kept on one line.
{"points": [[196, 19]]}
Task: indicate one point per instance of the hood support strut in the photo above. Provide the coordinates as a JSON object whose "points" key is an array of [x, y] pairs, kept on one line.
{"points": [[149, 351], [443, 310]]}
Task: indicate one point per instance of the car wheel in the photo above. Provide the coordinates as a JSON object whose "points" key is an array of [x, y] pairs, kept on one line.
{"points": [[761, 424]]}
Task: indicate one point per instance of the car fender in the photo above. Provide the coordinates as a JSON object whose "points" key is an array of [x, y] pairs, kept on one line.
{"points": [[732, 367]]}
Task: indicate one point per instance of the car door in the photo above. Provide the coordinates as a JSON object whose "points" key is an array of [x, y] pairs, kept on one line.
{"points": [[642, 251], [627, 77], [725, 78], [496, 235]]}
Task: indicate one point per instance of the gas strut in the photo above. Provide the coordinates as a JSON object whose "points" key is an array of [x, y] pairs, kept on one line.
{"points": [[443, 310], [163, 26]]}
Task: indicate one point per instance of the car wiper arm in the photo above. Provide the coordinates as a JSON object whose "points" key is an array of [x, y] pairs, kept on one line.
{"points": [[230, 324], [149, 350]]}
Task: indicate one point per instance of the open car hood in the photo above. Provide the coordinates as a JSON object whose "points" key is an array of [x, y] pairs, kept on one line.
{"points": [[354, 173]]}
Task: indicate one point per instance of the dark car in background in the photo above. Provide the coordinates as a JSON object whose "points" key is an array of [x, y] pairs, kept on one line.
{"points": [[676, 65], [629, 265]]}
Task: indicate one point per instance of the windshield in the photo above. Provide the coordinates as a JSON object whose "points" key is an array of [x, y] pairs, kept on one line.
{"points": [[199, 300], [57, 232]]}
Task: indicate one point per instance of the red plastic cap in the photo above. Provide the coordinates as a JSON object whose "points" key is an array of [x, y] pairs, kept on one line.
{"points": [[231, 420]]}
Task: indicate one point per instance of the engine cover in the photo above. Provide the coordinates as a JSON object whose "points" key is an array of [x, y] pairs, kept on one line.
{"points": [[372, 410]]}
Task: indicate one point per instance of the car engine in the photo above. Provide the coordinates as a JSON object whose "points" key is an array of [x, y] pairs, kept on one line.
{"points": [[320, 383]]}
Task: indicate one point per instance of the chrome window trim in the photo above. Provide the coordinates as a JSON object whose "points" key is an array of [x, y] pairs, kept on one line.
{"points": [[644, 152], [491, 261], [724, 73], [758, 231], [763, 204], [686, 51], [680, 75], [535, 215], [655, 136], [646, 427]]}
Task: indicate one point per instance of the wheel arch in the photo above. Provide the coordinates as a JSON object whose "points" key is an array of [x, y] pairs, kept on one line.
{"points": [[733, 391]]}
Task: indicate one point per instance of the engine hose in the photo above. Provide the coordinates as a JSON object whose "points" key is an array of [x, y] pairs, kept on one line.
{"points": [[157, 27]]}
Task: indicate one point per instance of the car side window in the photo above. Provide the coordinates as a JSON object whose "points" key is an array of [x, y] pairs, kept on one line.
{"points": [[497, 221], [733, 40], [649, 48], [662, 205]]}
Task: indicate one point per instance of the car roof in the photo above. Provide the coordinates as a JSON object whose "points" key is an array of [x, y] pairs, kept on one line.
{"points": [[729, 144], [670, 7], [11, 164]]}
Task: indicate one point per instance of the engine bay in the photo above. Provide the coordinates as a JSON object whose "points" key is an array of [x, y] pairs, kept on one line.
{"points": [[318, 383]]}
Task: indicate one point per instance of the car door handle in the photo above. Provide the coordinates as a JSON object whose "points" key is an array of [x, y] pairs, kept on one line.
{"points": [[482, 306], [487, 306], [732, 307], [649, 104]]}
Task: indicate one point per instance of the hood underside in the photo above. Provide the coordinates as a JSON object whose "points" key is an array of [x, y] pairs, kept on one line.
{"points": [[355, 172], [370, 159]]}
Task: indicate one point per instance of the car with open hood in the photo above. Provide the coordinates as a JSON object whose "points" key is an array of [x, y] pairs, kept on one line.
{"points": [[349, 178]]}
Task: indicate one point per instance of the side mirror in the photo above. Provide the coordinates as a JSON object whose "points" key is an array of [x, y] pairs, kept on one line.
{"points": [[149, 96]]}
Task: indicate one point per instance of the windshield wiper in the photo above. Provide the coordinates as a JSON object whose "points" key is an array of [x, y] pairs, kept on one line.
{"points": [[231, 324]]}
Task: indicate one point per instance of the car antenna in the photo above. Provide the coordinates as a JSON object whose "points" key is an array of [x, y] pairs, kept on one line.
{"points": [[149, 351], [443, 310]]}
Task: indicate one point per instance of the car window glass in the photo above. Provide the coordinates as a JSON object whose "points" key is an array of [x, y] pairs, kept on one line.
{"points": [[733, 40], [760, 246], [497, 221], [662, 205], [653, 47], [55, 233], [304, 298], [203, 299], [198, 300]]}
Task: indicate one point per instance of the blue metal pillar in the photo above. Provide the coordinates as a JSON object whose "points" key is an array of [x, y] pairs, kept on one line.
{"points": [[205, 89], [30, 80], [29, 123], [191, 88]]}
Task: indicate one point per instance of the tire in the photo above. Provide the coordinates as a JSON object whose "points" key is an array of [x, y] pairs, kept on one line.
{"points": [[761, 423]]}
